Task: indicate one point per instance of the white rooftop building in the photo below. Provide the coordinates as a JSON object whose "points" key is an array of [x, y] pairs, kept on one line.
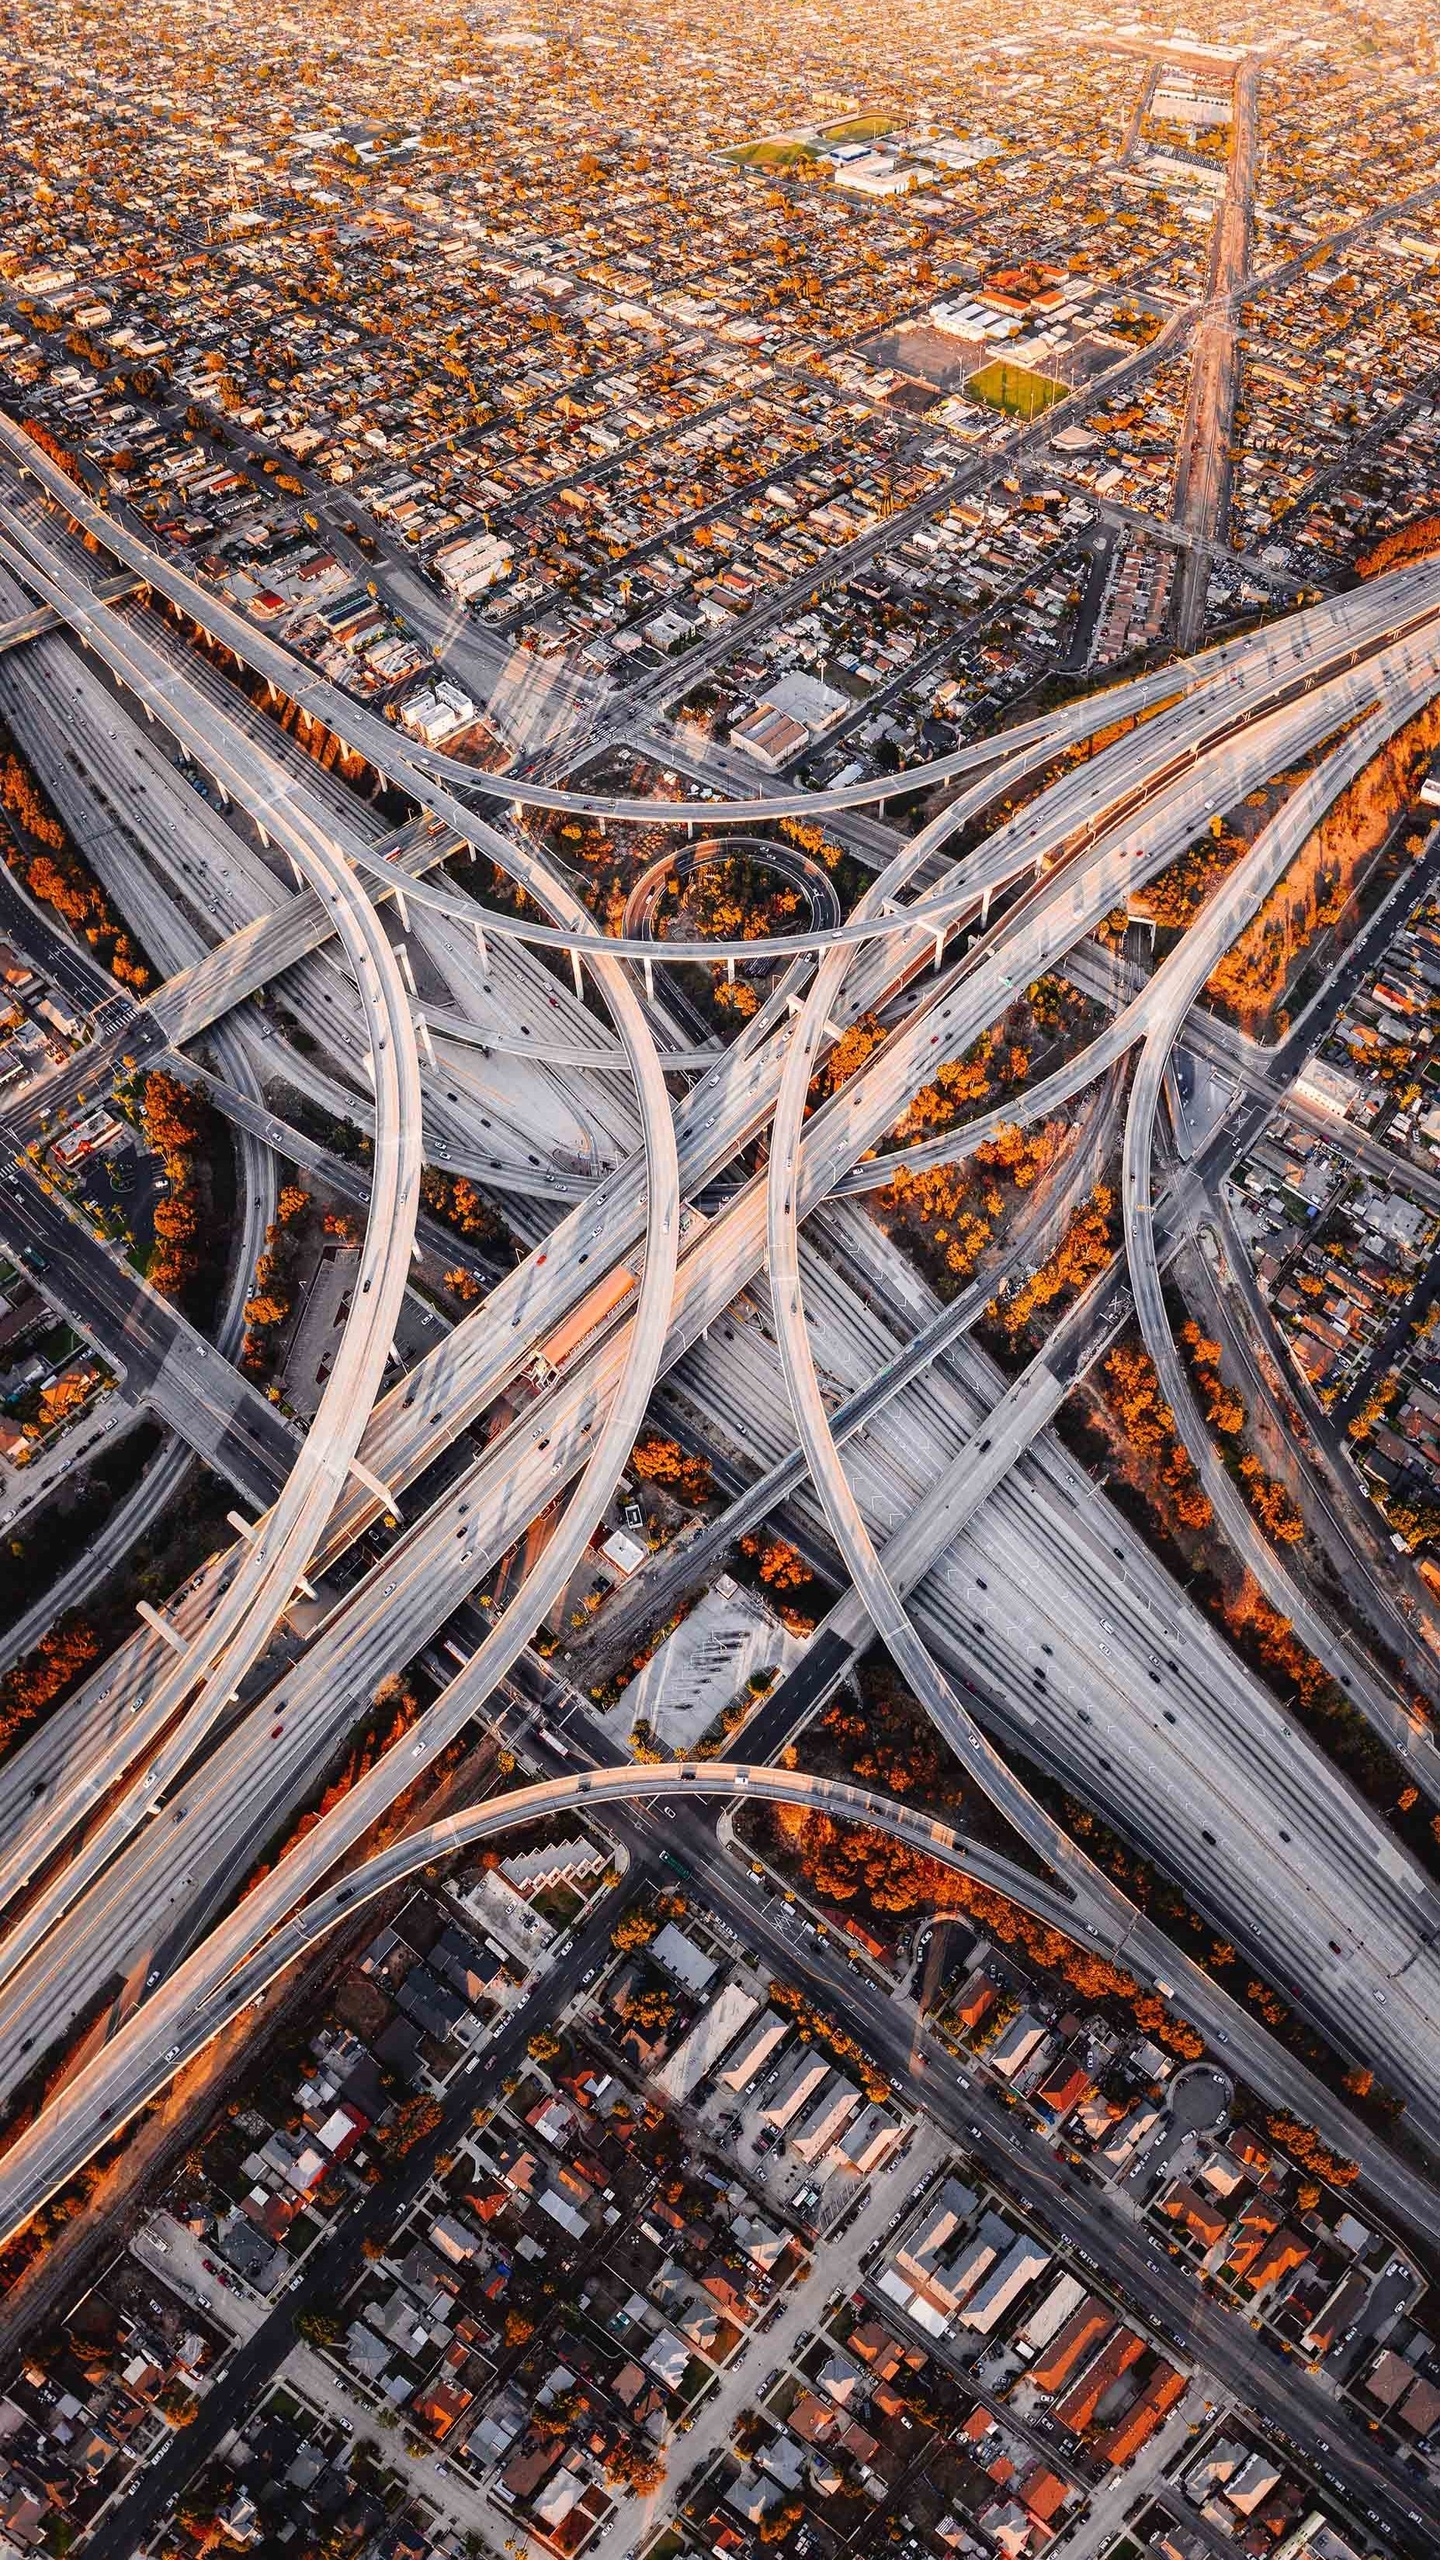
{"points": [[713, 2033]]}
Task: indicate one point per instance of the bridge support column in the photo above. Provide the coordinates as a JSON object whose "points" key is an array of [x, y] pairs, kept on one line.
{"points": [[161, 1627], [402, 954], [480, 947], [426, 1043], [403, 910], [579, 981], [374, 1484]]}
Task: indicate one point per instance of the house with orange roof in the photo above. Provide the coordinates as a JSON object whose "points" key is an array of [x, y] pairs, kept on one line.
{"points": [[1123, 2441], [1077, 2410], [1195, 2214], [1081, 2335]]}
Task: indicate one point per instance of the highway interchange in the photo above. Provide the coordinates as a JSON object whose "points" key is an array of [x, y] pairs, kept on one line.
{"points": [[962, 1492]]}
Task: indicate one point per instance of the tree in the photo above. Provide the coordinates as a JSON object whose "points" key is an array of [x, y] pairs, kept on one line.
{"points": [[848, 1055], [265, 1311], [173, 1115], [660, 1461], [320, 2327], [779, 1564], [635, 2467]]}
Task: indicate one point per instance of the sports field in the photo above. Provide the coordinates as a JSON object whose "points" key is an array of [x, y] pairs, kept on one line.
{"points": [[782, 150], [865, 128], [1015, 389], [783, 153]]}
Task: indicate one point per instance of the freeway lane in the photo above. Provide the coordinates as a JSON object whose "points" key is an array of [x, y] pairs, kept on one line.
{"points": [[275, 1560], [876, 1092], [364, 1346], [1236, 768], [849, 1102], [1173, 990]]}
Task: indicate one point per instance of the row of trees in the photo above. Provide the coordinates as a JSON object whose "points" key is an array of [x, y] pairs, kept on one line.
{"points": [[42, 1677], [1249, 982], [1417, 540], [454, 1198], [396, 1710], [58, 878], [272, 1302], [1159, 1459], [1082, 1253], [815, 2026], [1224, 1409], [1304, 2144], [177, 1124], [1093, 1976]]}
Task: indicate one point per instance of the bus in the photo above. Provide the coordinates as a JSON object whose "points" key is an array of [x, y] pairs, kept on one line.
{"points": [[594, 1311]]}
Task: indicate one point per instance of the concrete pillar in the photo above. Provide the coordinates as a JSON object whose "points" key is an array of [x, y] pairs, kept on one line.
{"points": [[373, 1484]]}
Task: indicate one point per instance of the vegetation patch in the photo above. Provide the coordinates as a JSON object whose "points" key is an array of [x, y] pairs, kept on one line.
{"points": [[783, 153], [1015, 388]]}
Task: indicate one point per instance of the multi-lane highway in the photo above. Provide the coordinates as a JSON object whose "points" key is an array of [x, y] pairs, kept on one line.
{"points": [[1203, 735]]}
